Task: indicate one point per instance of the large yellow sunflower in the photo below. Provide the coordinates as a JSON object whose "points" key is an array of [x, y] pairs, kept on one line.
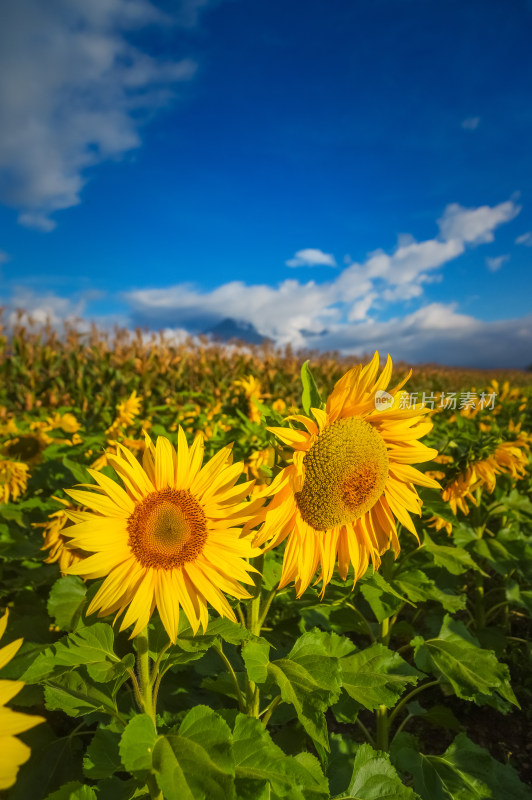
{"points": [[14, 752], [172, 538], [350, 477]]}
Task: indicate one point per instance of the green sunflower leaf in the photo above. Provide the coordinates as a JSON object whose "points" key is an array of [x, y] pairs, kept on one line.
{"points": [[102, 758], [73, 791], [77, 696], [374, 778], [309, 679], [464, 772], [376, 676], [197, 762], [311, 397], [454, 559], [256, 658], [263, 770], [92, 647], [456, 656], [137, 744], [66, 601], [381, 597], [419, 588]]}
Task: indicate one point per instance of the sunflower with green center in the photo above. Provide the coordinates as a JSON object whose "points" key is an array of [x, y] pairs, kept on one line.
{"points": [[351, 477], [172, 538], [14, 752]]}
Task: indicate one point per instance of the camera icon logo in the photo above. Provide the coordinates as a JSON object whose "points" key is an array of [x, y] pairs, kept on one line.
{"points": [[383, 400]]}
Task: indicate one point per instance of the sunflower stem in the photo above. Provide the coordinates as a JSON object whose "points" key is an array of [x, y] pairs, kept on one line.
{"points": [[143, 666], [229, 666], [268, 711], [381, 714], [155, 670], [136, 688], [381, 733], [480, 613], [254, 627], [266, 607], [365, 731]]}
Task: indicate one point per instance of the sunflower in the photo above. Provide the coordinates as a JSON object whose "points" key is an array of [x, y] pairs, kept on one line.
{"points": [[14, 752], [66, 422], [127, 412], [172, 538], [508, 458], [13, 480], [55, 540], [252, 389], [438, 523], [350, 478]]}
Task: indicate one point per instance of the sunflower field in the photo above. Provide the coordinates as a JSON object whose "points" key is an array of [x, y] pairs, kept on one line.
{"points": [[239, 573]]}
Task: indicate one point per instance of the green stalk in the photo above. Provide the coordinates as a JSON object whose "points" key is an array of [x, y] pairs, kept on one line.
{"points": [[146, 694], [254, 626], [382, 728], [241, 704], [268, 711], [399, 707], [381, 715], [143, 666]]}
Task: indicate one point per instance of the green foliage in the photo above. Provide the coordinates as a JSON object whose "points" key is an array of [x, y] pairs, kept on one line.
{"points": [[376, 676], [66, 602], [196, 763], [464, 772], [310, 700], [311, 397], [374, 778], [456, 656], [310, 680]]}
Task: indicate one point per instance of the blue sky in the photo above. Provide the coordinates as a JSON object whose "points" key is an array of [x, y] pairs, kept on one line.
{"points": [[340, 175]]}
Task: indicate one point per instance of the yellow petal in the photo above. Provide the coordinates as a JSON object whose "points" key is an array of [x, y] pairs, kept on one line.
{"points": [[165, 463]]}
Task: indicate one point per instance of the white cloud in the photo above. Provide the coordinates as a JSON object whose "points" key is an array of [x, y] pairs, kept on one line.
{"points": [[4, 256], [437, 333], [311, 257], [475, 225], [525, 238], [297, 313], [494, 264], [470, 123], [337, 314], [73, 93], [281, 313], [37, 221], [28, 307]]}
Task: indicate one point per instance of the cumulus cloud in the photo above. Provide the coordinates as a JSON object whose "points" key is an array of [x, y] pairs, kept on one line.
{"points": [[345, 313], [494, 264], [525, 238], [475, 225], [438, 333], [280, 312], [470, 123], [74, 92], [36, 308], [311, 258], [298, 313]]}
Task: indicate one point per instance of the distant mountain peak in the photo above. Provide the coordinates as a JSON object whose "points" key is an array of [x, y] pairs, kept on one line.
{"points": [[230, 328]]}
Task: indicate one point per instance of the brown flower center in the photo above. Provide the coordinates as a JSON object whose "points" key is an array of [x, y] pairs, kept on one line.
{"points": [[167, 529], [345, 474]]}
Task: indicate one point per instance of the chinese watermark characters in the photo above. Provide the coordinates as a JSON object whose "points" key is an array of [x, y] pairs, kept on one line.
{"points": [[451, 401]]}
